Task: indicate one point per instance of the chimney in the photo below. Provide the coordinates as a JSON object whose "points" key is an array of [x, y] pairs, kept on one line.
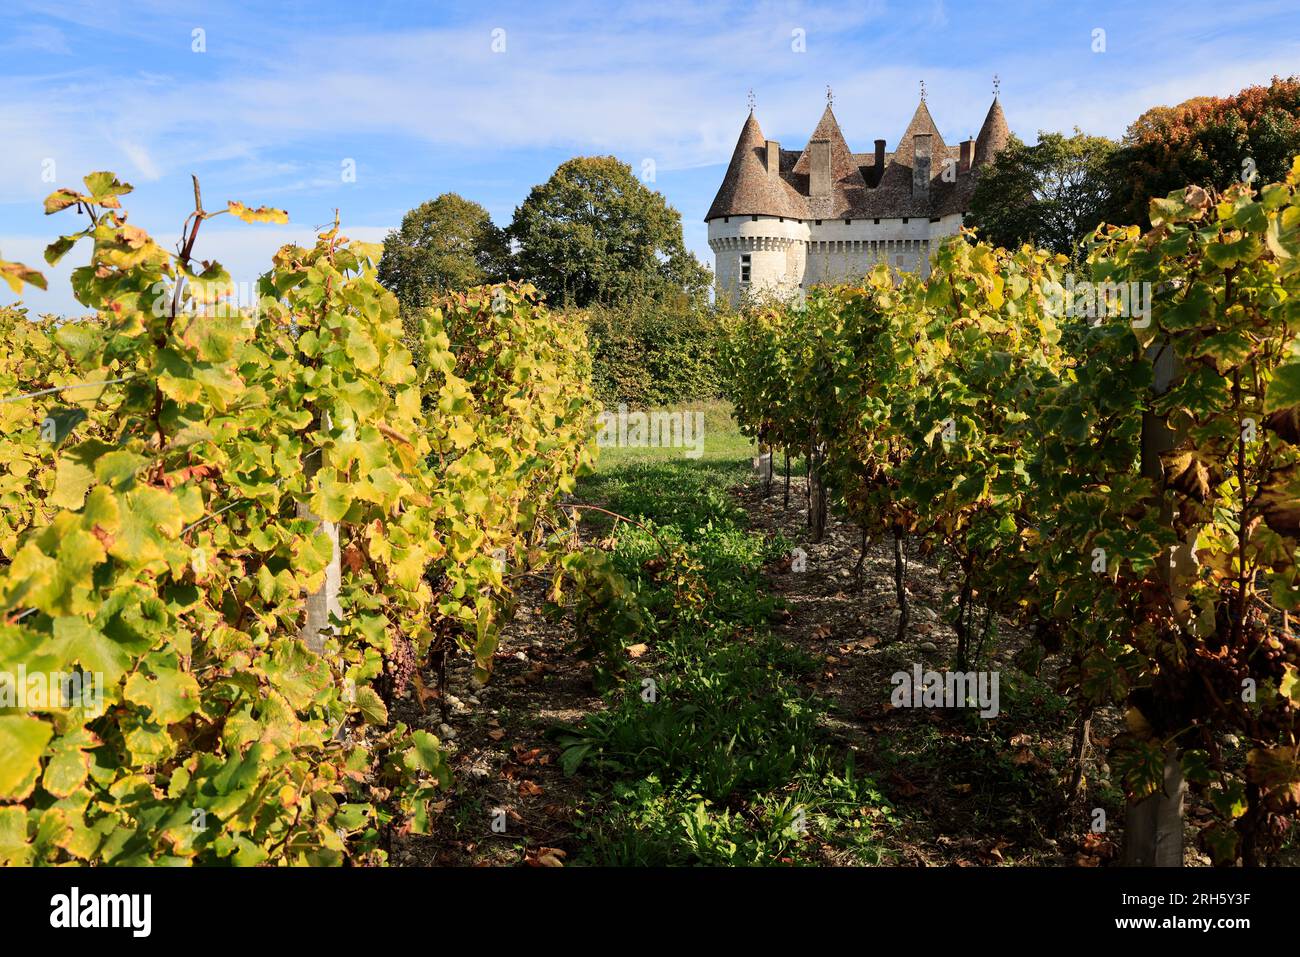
{"points": [[773, 159], [921, 167], [819, 169], [878, 170], [967, 155]]}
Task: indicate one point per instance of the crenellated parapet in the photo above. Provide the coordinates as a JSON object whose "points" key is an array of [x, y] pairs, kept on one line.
{"points": [[752, 243]]}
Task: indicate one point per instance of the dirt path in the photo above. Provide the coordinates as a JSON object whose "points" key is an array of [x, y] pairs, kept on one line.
{"points": [[510, 803], [965, 791], [968, 791]]}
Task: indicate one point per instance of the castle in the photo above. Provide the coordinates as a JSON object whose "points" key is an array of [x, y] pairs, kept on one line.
{"points": [[785, 220]]}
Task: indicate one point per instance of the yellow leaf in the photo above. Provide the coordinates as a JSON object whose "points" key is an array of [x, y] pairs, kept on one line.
{"points": [[263, 214]]}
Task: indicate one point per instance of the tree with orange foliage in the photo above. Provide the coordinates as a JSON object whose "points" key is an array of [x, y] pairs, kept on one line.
{"points": [[1208, 140]]}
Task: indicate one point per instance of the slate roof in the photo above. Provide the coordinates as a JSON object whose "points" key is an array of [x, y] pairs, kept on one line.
{"points": [[848, 188], [747, 189]]}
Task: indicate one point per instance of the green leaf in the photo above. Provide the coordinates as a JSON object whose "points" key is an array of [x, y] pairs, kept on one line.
{"points": [[22, 741], [426, 754], [372, 706], [104, 186], [75, 473], [297, 673], [59, 423], [333, 498], [77, 641], [150, 517], [118, 468], [1284, 390], [170, 695], [69, 763], [56, 250]]}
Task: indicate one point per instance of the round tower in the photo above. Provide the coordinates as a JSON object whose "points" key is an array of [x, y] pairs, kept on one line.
{"points": [[757, 223]]}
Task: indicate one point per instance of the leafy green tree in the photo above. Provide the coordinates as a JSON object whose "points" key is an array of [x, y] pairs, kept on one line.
{"points": [[1052, 194], [594, 233], [446, 244]]}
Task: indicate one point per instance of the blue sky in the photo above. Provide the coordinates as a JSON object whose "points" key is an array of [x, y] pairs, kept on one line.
{"points": [[287, 92]]}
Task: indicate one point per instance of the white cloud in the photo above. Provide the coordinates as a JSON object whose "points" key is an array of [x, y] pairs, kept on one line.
{"points": [[141, 160], [38, 38]]}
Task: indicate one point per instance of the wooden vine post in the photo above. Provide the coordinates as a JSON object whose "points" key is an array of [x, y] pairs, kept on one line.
{"points": [[816, 491], [1153, 825], [324, 601]]}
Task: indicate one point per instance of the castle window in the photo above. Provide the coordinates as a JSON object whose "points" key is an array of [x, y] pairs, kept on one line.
{"points": [[754, 218], [744, 266], [848, 222], [726, 219], [817, 222], [934, 219], [904, 220], [876, 220]]}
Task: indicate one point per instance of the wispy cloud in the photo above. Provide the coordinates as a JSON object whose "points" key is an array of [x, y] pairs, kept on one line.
{"points": [[37, 38], [415, 94]]}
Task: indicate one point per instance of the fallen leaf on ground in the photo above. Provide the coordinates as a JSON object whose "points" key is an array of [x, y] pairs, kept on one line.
{"points": [[905, 787], [526, 755], [546, 857], [423, 694]]}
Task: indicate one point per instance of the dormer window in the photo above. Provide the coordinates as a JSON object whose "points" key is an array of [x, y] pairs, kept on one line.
{"points": [[744, 266]]}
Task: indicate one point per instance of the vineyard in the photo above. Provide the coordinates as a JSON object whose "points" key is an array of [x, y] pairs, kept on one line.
{"points": [[245, 529], [1117, 480], [243, 546]]}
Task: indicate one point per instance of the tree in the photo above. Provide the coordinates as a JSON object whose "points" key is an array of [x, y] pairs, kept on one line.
{"points": [[1209, 141], [448, 243], [1052, 194], [594, 233]]}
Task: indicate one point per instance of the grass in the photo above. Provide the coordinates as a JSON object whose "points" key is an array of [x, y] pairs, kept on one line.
{"points": [[723, 443], [720, 758]]}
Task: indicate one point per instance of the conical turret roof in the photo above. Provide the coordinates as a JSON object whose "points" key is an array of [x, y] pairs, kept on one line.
{"points": [[747, 189], [922, 122], [993, 134], [848, 188]]}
